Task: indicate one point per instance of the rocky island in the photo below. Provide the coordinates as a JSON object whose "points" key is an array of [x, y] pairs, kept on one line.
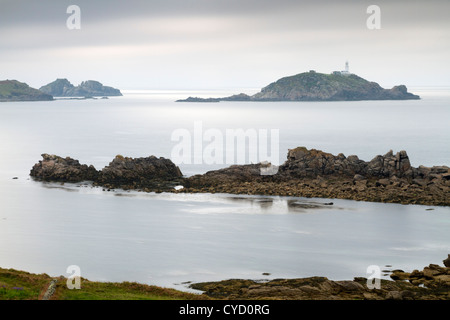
{"points": [[305, 173], [314, 86], [13, 90], [90, 88]]}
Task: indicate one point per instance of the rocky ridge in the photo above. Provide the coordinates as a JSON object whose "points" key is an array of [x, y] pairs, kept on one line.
{"points": [[90, 88]]}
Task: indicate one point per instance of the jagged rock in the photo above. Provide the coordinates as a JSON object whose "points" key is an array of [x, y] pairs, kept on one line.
{"points": [[150, 172], [447, 262], [90, 88], [302, 162], [432, 276], [55, 168]]}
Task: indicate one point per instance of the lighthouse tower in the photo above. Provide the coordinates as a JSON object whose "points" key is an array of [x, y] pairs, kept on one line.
{"points": [[345, 72]]}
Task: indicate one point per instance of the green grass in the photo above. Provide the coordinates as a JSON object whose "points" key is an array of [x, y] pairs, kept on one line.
{"points": [[21, 285], [14, 90], [121, 291]]}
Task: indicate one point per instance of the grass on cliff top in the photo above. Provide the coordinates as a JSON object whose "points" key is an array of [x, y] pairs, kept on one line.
{"points": [[13, 87], [21, 285]]}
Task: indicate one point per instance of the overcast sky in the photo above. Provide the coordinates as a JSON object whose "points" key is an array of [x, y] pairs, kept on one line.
{"points": [[212, 44]]}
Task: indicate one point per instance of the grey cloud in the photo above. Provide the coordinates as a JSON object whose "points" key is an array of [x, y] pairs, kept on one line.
{"points": [[254, 40]]}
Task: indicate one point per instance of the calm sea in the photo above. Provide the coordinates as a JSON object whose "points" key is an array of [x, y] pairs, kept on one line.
{"points": [[168, 239]]}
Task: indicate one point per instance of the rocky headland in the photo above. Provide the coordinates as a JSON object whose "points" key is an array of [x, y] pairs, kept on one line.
{"points": [[305, 173], [13, 90], [432, 283], [90, 88], [314, 86]]}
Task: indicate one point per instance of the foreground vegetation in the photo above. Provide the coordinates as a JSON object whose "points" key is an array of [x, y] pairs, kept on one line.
{"points": [[21, 285]]}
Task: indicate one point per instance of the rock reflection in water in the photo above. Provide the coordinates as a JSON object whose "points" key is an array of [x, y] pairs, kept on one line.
{"points": [[264, 203], [301, 206]]}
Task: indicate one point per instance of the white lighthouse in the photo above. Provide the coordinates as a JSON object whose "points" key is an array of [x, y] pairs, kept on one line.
{"points": [[345, 72]]}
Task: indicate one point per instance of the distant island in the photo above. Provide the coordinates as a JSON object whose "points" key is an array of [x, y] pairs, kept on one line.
{"points": [[90, 88], [13, 90], [314, 86]]}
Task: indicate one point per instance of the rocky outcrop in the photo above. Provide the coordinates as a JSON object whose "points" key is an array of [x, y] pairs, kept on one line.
{"points": [[55, 168], [90, 88], [149, 174], [433, 276], [314, 86], [432, 283], [232, 174], [302, 162], [140, 173], [314, 173], [305, 173], [13, 90]]}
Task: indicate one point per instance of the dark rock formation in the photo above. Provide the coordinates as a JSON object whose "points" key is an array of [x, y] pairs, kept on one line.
{"points": [[313, 86], [302, 162], [433, 276], [447, 262], [149, 174], [90, 88], [314, 173], [140, 173], [54, 168], [13, 90], [235, 173]]}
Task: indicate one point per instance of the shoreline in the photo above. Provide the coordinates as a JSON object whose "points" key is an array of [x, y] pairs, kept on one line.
{"points": [[431, 283]]}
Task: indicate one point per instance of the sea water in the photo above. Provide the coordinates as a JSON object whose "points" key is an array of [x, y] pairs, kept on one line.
{"points": [[172, 239]]}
